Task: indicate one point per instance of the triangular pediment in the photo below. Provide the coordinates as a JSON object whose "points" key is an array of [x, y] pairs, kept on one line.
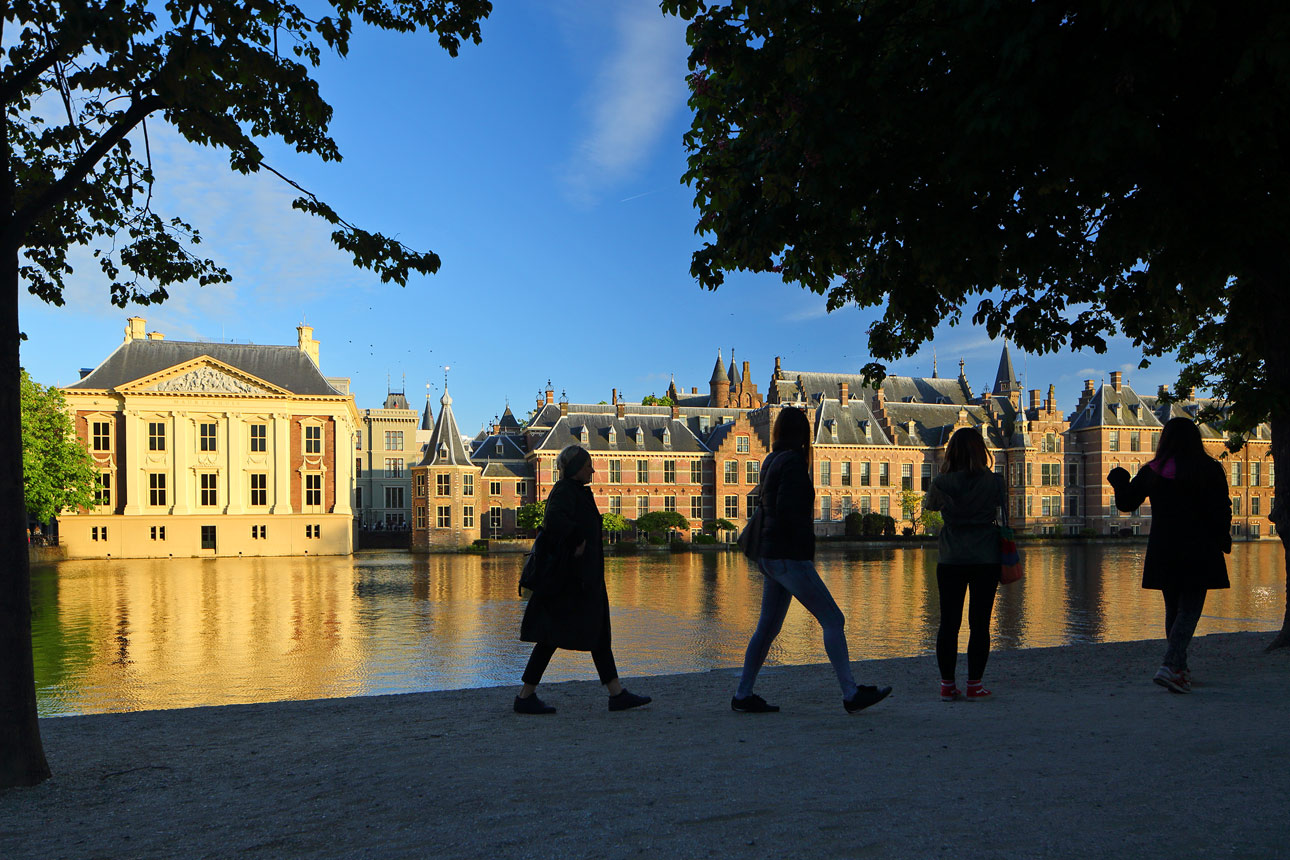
{"points": [[203, 375]]}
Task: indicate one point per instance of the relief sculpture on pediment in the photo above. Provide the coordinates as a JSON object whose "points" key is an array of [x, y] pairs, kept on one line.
{"points": [[207, 380]]}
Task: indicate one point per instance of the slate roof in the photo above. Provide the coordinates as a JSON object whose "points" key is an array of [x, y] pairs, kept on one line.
{"points": [[396, 400], [284, 366], [427, 417], [1005, 378], [849, 420], [568, 431], [508, 421], [1110, 408], [793, 386], [1191, 407], [445, 447], [486, 450], [519, 470]]}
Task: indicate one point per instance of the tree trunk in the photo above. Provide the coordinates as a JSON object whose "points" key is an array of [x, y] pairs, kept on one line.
{"points": [[1280, 514], [22, 757]]}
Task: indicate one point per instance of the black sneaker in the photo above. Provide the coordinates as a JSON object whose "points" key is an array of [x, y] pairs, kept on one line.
{"points": [[532, 705], [864, 697], [752, 704], [625, 700]]}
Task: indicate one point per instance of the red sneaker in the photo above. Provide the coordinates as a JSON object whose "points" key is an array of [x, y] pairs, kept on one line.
{"points": [[976, 691], [950, 691]]}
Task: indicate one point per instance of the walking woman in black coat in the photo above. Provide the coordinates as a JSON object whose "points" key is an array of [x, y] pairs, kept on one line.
{"points": [[1191, 522], [574, 614]]}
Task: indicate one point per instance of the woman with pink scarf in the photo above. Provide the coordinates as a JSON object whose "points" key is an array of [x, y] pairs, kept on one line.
{"points": [[1191, 521]]}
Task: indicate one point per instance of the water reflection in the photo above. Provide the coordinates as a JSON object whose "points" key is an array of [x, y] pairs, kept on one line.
{"points": [[135, 635]]}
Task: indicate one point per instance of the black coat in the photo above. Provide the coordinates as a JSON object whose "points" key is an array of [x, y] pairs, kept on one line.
{"points": [[788, 506], [1190, 526], [576, 614]]}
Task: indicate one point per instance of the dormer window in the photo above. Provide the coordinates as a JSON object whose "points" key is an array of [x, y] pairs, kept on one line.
{"points": [[583, 435], [613, 435], [1115, 409], [910, 428], [667, 438], [500, 446], [638, 435]]}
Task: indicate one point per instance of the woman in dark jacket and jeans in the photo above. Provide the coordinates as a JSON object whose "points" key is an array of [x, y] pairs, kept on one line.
{"points": [[576, 615], [1191, 523], [969, 496], [787, 498]]}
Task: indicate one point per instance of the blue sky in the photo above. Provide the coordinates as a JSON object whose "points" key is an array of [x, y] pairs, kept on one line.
{"points": [[544, 167]]}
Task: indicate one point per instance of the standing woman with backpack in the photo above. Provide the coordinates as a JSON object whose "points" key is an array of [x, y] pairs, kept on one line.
{"points": [[1191, 530], [572, 612], [787, 553]]}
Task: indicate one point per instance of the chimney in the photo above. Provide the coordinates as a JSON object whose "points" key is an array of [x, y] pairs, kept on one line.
{"points": [[564, 408], [156, 335], [1187, 392], [1115, 380], [1088, 385], [745, 380], [676, 412], [134, 327], [1034, 398], [843, 393], [550, 395], [305, 340], [1163, 391], [621, 409], [615, 397], [1051, 405], [694, 389]]}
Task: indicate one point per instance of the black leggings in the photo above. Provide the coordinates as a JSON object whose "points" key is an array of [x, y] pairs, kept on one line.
{"points": [[953, 581], [603, 657]]}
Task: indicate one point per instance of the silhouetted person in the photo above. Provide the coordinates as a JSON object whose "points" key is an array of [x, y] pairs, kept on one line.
{"points": [[969, 496], [787, 498], [1191, 530], [574, 616]]}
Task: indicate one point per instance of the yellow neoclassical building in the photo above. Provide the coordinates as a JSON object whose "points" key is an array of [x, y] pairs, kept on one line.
{"points": [[213, 449]]}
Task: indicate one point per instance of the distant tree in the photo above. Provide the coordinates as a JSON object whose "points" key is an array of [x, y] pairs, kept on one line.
{"points": [[614, 523], [57, 471], [530, 517], [932, 522], [718, 525], [911, 503], [853, 524], [1063, 171], [661, 521], [79, 81], [651, 400]]}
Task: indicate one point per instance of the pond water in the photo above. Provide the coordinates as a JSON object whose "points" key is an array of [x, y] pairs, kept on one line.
{"points": [[130, 635]]}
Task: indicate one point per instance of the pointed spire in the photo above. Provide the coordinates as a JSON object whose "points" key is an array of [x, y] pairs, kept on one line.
{"points": [[427, 416], [445, 447], [718, 370], [1005, 380], [734, 378]]}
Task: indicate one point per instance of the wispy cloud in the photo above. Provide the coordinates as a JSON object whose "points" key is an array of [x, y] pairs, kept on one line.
{"points": [[640, 87]]}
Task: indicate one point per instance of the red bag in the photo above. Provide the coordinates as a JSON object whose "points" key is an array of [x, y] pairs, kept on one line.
{"points": [[1009, 557]]}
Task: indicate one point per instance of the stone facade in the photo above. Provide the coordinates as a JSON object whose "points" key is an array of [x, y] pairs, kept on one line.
{"points": [[207, 449]]}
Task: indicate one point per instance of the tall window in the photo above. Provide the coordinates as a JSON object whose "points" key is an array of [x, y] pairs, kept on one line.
{"points": [[616, 505], [1135, 440], [358, 497], [101, 435], [732, 507], [260, 438], [752, 472], [209, 489], [208, 537], [157, 489], [884, 474], [443, 485], [642, 506], [358, 467], [866, 505], [393, 467], [494, 488], [259, 489], [521, 489], [419, 483], [669, 504], [394, 440], [826, 473], [732, 471], [1236, 506], [864, 474], [741, 444], [468, 485], [669, 471], [642, 471], [1072, 506], [394, 497], [926, 477], [615, 471], [1030, 474], [907, 476], [1236, 474], [844, 473], [696, 507], [1255, 477], [206, 437], [826, 509], [844, 507], [468, 516], [313, 439], [313, 490], [1113, 440], [1155, 440], [884, 506], [1072, 475], [1254, 506], [103, 490], [696, 471], [156, 436]]}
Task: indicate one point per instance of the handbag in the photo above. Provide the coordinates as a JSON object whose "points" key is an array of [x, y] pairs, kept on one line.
{"points": [[1009, 557], [750, 537], [538, 573]]}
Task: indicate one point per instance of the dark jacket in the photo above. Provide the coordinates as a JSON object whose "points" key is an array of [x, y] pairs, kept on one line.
{"points": [[575, 615], [787, 497], [968, 502], [1191, 528]]}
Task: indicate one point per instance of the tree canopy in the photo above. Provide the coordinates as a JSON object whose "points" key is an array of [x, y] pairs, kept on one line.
{"points": [[1061, 171], [531, 516], [57, 471], [82, 83]]}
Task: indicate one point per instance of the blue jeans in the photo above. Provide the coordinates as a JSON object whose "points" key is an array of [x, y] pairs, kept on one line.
{"points": [[784, 579]]}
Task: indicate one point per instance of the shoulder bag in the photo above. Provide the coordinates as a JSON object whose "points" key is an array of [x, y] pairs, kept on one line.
{"points": [[1009, 556]]}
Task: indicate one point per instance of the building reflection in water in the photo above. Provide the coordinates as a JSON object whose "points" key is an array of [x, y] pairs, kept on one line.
{"points": [[137, 635]]}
